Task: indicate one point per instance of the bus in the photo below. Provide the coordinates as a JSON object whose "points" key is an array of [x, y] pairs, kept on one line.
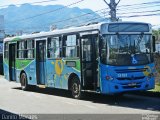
{"points": [[1, 57], [106, 58]]}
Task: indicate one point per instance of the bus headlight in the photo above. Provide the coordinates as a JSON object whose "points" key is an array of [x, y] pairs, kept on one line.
{"points": [[109, 77]]}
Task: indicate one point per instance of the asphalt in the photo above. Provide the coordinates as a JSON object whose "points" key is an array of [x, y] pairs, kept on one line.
{"points": [[58, 104]]}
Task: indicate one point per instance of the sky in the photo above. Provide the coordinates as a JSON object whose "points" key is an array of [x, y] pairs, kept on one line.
{"points": [[99, 4]]}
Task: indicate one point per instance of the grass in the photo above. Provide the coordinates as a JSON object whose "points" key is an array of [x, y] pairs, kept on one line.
{"points": [[157, 88]]}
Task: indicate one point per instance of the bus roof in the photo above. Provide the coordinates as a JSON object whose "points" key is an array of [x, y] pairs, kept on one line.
{"points": [[67, 30]]}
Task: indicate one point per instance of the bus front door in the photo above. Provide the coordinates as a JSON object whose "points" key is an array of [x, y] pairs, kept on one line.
{"points": [[41, 61], [12, 62], [89, 60]]}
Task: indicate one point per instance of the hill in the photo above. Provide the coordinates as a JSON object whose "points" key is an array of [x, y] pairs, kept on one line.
{"points": [[30, 18]]}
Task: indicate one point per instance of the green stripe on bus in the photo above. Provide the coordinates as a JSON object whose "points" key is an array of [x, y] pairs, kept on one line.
{"points": [[78, 65], [21, 64], [16, 39]]}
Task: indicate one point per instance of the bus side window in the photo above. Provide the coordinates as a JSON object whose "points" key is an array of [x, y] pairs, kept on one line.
{"points": [[21, 49], [30, 49], [70, 46], [53, 47], [6, 50], [103, 45]]}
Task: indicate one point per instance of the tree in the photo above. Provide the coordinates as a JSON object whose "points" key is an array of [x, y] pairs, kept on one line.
{"points": [[156, 33]]}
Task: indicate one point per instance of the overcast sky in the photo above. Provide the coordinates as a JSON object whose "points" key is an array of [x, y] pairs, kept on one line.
{"points": [[98, 4]]}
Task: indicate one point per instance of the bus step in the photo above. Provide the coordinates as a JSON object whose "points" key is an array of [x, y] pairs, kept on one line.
{"points": [[41, 86], [91, 91]]}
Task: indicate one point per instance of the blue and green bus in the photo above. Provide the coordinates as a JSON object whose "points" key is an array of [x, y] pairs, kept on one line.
{"points": [[107, 58]]}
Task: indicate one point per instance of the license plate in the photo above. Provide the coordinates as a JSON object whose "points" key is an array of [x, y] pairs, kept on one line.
{"points": [[132, 84]]}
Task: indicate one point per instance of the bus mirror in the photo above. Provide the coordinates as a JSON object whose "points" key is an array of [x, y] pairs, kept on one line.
{"points": [[154, 43]]}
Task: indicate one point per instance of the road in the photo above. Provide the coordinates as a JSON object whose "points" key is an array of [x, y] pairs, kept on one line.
{"points": [[54, 101]]}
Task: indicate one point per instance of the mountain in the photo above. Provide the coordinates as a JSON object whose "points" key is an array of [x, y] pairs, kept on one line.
{"points": [[30, 18]]}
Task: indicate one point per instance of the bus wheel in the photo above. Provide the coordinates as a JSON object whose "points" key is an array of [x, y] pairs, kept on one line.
{"points": [[23, 79], [76, 88]]}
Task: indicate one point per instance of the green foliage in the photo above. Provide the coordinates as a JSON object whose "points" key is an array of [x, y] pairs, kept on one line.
{"points": [[156, 33], [157, 88]]}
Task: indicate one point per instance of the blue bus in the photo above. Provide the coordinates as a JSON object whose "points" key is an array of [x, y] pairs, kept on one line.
{"points": [[107, 58]]}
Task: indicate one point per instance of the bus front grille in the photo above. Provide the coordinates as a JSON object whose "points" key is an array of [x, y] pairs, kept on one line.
{"points": [[131, 85], [131, 78], [134, 86], [130, 70]]}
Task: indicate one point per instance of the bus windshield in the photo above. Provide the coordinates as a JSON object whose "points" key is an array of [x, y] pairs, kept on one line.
{"points": [[126, 49]]}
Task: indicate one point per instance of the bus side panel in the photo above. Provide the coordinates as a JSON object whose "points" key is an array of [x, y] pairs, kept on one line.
{"points": [[6, 69], [50, 74], [69, 69], [28, 66], [58, 73], [18, 75], [31, 73]]}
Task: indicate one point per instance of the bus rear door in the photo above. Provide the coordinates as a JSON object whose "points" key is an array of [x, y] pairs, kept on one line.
{"points": [[41, 60], [12, 62]]}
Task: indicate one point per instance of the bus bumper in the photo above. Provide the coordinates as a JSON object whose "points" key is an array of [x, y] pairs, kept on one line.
{"points": [[110, 87]]}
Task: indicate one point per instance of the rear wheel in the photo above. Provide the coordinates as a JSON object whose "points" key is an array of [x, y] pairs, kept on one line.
{"points": [[24, 83], [76, 88]]}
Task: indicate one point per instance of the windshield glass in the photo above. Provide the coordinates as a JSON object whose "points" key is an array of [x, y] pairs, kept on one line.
{"points": [[126, 49]]}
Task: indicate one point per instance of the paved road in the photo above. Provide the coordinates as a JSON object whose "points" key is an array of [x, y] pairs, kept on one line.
{"points": [[53, 101]]}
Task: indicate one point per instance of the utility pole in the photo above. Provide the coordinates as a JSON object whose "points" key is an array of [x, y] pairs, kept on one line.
{"points": [[112, 5]]}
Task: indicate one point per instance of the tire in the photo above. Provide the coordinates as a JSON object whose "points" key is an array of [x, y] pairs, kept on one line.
{"points": [[24, 83], [76, 88]]}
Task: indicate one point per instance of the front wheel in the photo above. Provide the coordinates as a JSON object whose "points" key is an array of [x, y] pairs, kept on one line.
{"points": [[76, 88], [24, 83]]}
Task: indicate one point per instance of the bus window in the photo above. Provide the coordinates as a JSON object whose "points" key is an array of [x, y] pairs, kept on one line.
{"points": [[103, 51], [70, 48], [6, 50], [87, 49], [30, 49], [21, 49], [53, 47]]}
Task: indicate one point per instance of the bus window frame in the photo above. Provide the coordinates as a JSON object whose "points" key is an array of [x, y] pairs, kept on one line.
{"points": [[77, 46], [17, 50], [30, 49], [25, 50], [125, 33], [6, 50], [60, 47]]}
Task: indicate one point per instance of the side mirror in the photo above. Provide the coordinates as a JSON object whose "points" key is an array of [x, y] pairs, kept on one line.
{"points": [[154, 43]]}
